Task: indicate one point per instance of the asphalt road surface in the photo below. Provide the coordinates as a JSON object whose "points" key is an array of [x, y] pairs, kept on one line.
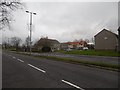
{"points": [[20, 71]]}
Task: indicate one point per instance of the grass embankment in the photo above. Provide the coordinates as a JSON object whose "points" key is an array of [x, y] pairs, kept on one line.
{"points": [[81, 62], [92, 52]]}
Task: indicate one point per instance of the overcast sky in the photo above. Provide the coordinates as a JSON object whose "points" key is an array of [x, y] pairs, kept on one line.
{"points": [[65, 21]]}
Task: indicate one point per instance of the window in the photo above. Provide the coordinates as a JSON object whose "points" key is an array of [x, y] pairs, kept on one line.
{"points": [[105, 38]]}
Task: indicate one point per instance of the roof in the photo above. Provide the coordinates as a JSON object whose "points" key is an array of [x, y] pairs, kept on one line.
{"points": [[90, 43], [74, 43], [77, 43], [107, 31], [46, 41]]}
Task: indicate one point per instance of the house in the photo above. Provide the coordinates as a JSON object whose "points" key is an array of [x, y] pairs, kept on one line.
{"points": [[106, 40], [77, 45], [64, 46], [46, 45], [73, 45]]}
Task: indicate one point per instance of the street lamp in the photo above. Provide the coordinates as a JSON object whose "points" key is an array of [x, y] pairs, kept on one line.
{"points": [[31, 13]]}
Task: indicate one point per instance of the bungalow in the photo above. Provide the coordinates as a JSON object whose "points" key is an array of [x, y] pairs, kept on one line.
{"points": [[73, 45]]}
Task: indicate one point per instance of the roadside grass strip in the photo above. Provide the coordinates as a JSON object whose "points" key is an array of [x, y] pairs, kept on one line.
{"points": [[92, 53], [80, 62], [87, 63]]}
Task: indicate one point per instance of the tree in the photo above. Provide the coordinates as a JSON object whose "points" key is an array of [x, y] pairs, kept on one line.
{"points": [[75, 40], [87, 41], [80, 40], [4, 45], [93, 40], [27, 43], [6, 8], [16, 42]]}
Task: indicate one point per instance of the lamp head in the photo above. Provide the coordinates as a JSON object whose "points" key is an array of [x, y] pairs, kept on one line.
{"points": [[27, 11], [34, 13]]}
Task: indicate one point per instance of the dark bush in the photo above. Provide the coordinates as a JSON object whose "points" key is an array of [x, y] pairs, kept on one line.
{"points": [[46, 49]]}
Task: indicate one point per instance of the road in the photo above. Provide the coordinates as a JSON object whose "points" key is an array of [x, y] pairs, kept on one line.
{"points": [[20, 71], [103, 59]]}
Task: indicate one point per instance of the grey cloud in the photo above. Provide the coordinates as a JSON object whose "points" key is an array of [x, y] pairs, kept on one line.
{"points": [[67, 21]]}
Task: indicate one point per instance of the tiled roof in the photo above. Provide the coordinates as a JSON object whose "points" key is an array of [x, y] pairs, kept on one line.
{"points": [[77, 43]]}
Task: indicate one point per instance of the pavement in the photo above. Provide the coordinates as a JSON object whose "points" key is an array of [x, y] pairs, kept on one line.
{"points": [[20, 71]]}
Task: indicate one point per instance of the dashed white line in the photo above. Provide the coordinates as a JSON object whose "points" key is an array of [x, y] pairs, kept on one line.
{"points": [[20, 60], [72, 85], [14, 57], [37, 68]]}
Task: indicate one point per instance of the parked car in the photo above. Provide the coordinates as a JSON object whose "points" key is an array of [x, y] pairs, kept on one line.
{"points": [[85, 48], [69, 49]]}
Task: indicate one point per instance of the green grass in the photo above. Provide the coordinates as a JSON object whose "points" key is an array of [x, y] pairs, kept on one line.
{"points": [[92, 52], [81, 62], [88, 63]]}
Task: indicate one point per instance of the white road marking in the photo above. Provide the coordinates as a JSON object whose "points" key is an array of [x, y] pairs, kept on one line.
{"points": [[73, 85], [14, 57], [20, 60], [10, 55], [37, 68]]}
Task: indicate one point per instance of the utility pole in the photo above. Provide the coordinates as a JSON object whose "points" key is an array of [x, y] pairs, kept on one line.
{"points": [[31, 13]]}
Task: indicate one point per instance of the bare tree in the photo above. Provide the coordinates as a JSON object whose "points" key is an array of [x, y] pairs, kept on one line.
{"points": [[75, 40], [6, 8], [27, 43], [87, 40], [16, 42], [81, 40], [4, 45], [93, 40]]}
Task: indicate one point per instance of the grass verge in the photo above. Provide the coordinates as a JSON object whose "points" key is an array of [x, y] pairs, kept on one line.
{"points": [[92, 52], [80, 62]]}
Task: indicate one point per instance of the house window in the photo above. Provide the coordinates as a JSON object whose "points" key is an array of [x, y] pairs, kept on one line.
{"points": [[105, 38]]}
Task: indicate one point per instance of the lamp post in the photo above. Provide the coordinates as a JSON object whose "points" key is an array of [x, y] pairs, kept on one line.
{"points": [[31, 13]]}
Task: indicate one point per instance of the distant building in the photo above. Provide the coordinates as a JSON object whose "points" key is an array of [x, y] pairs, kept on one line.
{"points": [[46, 45], [77, 45], [64, 46], [106, 40], [74, 45]]}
